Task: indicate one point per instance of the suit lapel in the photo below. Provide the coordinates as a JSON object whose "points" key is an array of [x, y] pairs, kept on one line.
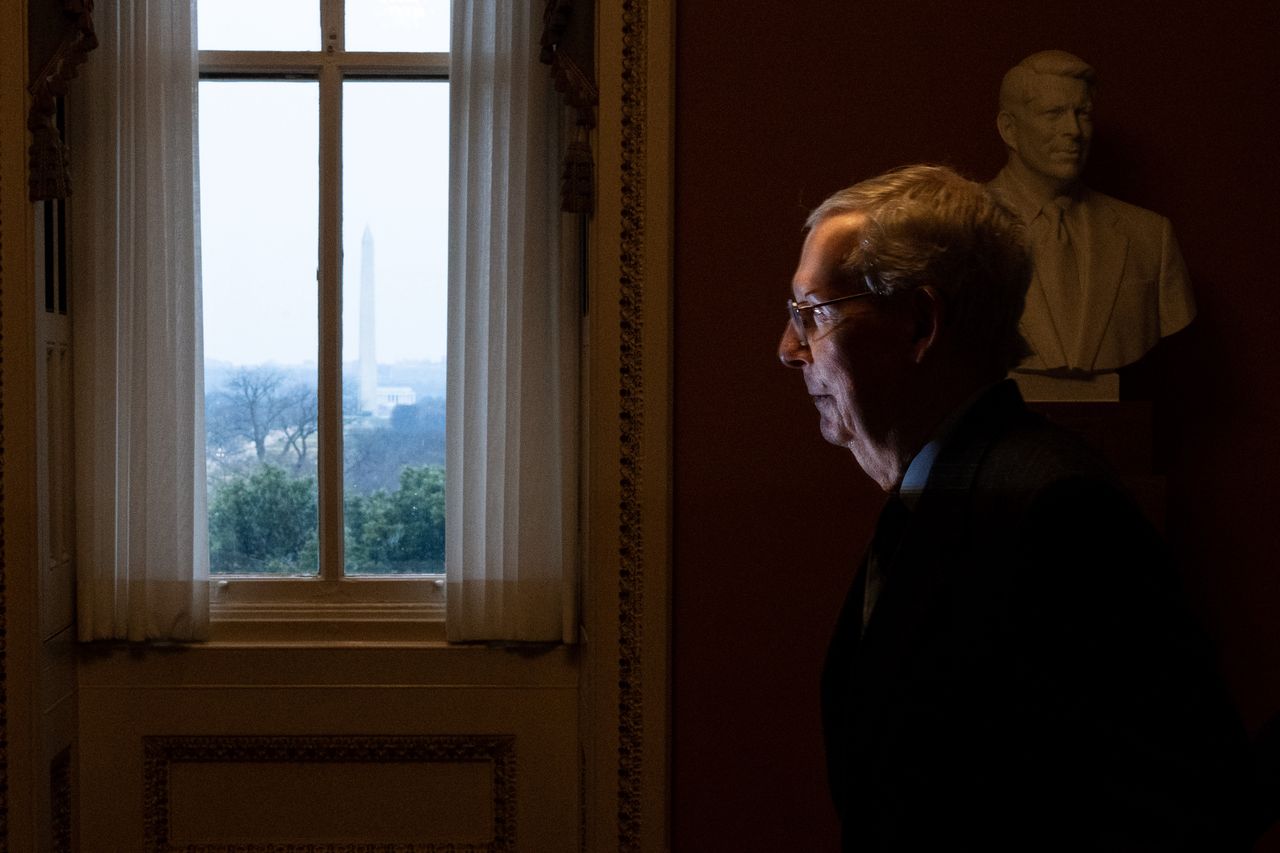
{"points": [[917, 575], [1103, 250], [864, 672]]}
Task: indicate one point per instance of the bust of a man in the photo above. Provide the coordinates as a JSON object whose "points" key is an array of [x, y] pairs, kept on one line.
{"points": [[1109, 281]]}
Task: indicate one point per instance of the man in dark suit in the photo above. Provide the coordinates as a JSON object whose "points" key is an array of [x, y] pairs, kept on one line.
{"points": [[1013, 668]]}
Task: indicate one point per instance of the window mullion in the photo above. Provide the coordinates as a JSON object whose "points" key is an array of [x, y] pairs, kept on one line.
{"points": [[258, 63], [401, 64], [333, 23], [330, 368]]}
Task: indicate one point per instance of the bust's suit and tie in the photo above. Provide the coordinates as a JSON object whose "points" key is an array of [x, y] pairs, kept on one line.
{"points": [[1133, 287], [1014, 668], [1109, 280]]}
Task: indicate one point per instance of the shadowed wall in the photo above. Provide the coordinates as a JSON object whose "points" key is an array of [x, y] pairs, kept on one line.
{"points": [[780, 104]]}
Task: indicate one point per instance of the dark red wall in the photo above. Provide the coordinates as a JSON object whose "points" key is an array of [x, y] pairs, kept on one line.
{"points": [[779, 104]]}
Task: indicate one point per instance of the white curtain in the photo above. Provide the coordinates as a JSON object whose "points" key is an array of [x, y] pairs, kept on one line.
{"points": [[142, 552], [511, 536]]}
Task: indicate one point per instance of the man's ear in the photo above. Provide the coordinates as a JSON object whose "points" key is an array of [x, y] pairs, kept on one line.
{"points": [[1007, 125], [927, 316]]}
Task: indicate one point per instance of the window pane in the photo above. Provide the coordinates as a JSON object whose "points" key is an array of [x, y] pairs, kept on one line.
{"points": [[255, 25], [410, 25], [258, 225], [395, 234]]}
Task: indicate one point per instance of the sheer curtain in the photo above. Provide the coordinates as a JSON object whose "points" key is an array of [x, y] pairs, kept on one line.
{"points": [[511, 537], [142, 551]]}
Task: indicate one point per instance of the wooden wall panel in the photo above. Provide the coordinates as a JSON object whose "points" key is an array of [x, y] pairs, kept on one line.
{"points": [[201, 749], [427, 792]]}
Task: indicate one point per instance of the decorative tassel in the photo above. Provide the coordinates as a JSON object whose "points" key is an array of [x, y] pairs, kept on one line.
{"points": [[577, 180]]}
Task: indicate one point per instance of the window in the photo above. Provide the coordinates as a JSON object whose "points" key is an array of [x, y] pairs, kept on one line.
{"points": [[323, 203]]}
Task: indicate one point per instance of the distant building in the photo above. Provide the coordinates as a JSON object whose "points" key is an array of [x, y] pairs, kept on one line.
{"points": [[390, 396]]}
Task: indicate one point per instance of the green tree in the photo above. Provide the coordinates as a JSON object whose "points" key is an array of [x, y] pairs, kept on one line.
{"points": [[264, 522], [400, 531]]}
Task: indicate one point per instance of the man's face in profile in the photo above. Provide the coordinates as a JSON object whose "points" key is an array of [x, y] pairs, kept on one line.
{"points": [[1051, 133], [853, 361]]}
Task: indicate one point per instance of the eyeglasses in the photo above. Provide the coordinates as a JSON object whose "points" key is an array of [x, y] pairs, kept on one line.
{"points": [[805, 321]]}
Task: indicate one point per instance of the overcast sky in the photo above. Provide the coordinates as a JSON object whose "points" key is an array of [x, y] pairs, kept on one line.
{"points": [[259, 167]]}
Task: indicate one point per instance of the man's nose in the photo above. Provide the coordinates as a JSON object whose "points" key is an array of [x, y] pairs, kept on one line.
{"points": [[791, 352]]}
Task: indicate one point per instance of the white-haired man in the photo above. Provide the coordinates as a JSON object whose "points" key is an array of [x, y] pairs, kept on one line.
{"points": [[1013, 668]]}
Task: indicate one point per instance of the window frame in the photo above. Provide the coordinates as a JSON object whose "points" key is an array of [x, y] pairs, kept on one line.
{"points": [[329, 606]]}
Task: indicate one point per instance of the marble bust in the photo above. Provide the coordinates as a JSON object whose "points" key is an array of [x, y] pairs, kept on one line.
{"points": [[1110, 280]]}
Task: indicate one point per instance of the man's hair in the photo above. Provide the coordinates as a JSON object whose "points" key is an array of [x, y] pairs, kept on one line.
{"points": [[926, 225], [1018, 85]]}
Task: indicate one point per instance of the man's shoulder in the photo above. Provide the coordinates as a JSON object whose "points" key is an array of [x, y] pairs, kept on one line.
{"points": [[1034, 454], [1003, 449], [1040, 491]]}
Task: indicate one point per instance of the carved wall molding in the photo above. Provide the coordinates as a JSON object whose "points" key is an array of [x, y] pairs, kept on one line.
{"points": [[631, 419], [4, 611], [50, 175], [161, 752]]}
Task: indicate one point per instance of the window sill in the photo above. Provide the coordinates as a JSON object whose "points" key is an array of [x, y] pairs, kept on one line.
{"points": [[313, 612]]}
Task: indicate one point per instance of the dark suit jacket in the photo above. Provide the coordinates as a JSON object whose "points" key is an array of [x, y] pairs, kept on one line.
{"points": [[1029, 678]]}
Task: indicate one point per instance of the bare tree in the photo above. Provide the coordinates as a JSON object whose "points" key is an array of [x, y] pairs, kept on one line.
{"points": [[249, 407], [300, 418]]}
